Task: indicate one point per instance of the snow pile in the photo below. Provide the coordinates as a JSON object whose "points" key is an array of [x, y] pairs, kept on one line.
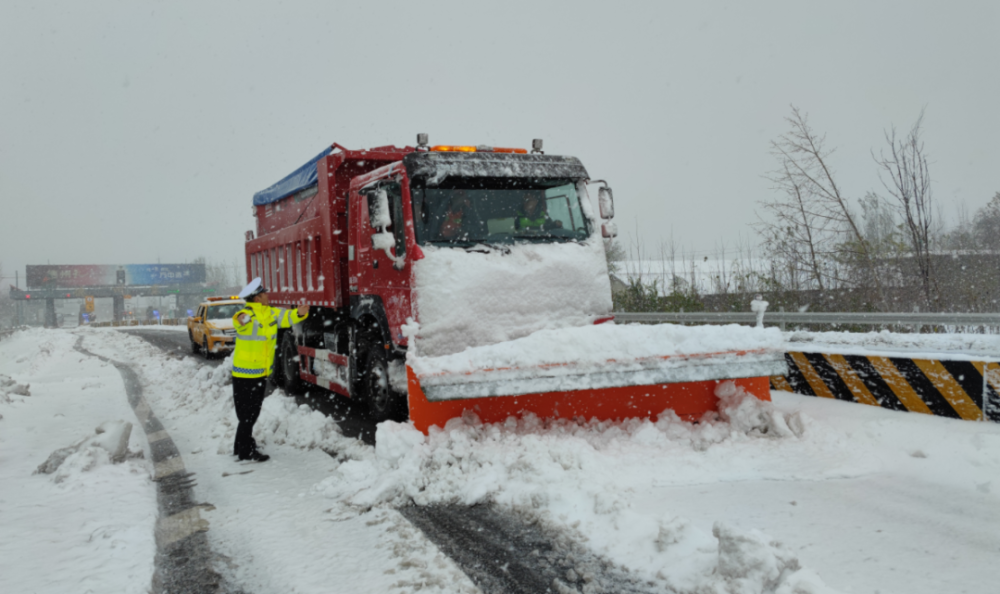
{"points": [[285, 422], [10, 390], [9, 387], [750, 562], [567, 474], [746, 413], [466, 299], [110, 446], [470, 462]]}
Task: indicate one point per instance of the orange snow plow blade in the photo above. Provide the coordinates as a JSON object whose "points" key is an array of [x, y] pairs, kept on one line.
{"points": [[618, 390]]}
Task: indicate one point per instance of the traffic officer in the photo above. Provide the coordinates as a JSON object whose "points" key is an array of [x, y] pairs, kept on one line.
{"points": [[257, 327]]}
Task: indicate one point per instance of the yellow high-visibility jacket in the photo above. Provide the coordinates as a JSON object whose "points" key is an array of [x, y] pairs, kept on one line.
{"points": [[256, 339]]}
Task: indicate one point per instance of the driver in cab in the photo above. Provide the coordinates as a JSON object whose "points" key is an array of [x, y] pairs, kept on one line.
{"points": [[455, 220], [533, 216]]}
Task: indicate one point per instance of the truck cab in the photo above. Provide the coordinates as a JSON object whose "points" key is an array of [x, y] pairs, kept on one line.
{"points": [[475, 250]]}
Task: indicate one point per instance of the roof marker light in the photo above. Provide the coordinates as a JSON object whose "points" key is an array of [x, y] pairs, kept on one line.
{"points": [[447, 148]]}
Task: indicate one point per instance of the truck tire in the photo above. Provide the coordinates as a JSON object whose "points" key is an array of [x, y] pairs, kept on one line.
{"points": [[195, 348], [384, 403], [205, 349], [288, 361]]}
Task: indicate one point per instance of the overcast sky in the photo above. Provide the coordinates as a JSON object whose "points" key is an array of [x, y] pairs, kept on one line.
{"points": [[137, 132]]}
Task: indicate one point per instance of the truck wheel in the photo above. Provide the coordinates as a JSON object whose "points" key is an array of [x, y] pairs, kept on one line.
{"points": [[384, 403], [195, 348], [289, 362], [204, 347]]}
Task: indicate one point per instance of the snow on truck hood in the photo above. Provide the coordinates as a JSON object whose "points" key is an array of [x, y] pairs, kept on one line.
{"points": [[470, 299]]}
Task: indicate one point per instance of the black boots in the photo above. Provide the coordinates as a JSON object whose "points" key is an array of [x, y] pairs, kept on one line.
{"points": [[256, 457]]}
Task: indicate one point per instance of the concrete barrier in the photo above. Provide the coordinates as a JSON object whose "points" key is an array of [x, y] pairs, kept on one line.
{"points": [[967, 390]]}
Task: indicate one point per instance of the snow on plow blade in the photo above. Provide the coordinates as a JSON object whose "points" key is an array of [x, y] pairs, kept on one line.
{"points": [[611, 389]]}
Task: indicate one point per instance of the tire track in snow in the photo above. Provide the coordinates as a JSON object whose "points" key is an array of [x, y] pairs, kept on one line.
{"points": [[502, 554], [183, 557]]}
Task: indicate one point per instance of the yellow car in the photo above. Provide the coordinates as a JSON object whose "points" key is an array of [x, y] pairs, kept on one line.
{"points": [[211, 328]]}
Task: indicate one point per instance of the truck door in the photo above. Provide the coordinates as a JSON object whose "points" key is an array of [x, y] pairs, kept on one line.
{"points": [[198, 331], [388, 270]]}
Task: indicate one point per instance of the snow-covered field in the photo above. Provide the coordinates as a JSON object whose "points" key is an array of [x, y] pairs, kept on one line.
{"points": [[802, 495], [88, 527]]}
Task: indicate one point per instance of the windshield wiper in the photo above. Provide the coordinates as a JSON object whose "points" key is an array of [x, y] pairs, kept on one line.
{"points": [[488, 248]]}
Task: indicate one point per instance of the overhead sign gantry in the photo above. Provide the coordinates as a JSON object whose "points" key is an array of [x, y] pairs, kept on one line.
{"points": [[60, 281]]}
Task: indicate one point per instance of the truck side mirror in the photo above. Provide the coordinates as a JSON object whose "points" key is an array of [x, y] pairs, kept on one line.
{"points": [[378, 209], [606, 200]]}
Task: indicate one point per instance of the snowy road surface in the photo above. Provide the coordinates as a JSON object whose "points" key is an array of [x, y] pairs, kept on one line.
{"points": [[174, 339], [833, 497]]}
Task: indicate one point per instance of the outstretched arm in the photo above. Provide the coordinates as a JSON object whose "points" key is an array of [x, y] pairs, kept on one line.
{"points": [[287, 317]]}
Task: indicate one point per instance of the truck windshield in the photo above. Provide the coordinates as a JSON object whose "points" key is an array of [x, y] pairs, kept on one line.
{"points": [[466, 211]]}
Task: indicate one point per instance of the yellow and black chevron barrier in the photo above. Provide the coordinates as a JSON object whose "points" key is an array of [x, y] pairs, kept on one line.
{"points": [[956, 389]]}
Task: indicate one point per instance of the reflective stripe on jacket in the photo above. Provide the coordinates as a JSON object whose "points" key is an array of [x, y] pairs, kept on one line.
{"points": [[256, 339]]}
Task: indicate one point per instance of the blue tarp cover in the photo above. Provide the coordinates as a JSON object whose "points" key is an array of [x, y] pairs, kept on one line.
{"points": [[301, 178]]}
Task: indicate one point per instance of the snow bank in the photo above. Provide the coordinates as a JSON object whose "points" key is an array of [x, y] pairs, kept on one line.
{"points": [[750, 562], [85, 524], [10, 388], [466, 299], [479, 459], [579, 477], [109, 446]]}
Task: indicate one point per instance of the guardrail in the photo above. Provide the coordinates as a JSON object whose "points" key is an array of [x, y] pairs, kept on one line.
{"points": [[781, 318], [126, 323]]}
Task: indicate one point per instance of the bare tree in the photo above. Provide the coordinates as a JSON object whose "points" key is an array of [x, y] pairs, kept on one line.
{"points": [[796, 236], [812, 228], [906, 176], [986, 226]]}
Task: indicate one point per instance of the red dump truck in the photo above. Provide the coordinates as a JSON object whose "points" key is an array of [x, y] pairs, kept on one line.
{"points": [[433, 251]]}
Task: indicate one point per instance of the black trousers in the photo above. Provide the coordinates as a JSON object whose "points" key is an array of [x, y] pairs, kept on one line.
{"points": [[248, 396]]}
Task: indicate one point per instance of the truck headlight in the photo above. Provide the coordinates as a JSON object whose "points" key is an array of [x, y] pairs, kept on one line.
{"points": [[217, 332]]}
